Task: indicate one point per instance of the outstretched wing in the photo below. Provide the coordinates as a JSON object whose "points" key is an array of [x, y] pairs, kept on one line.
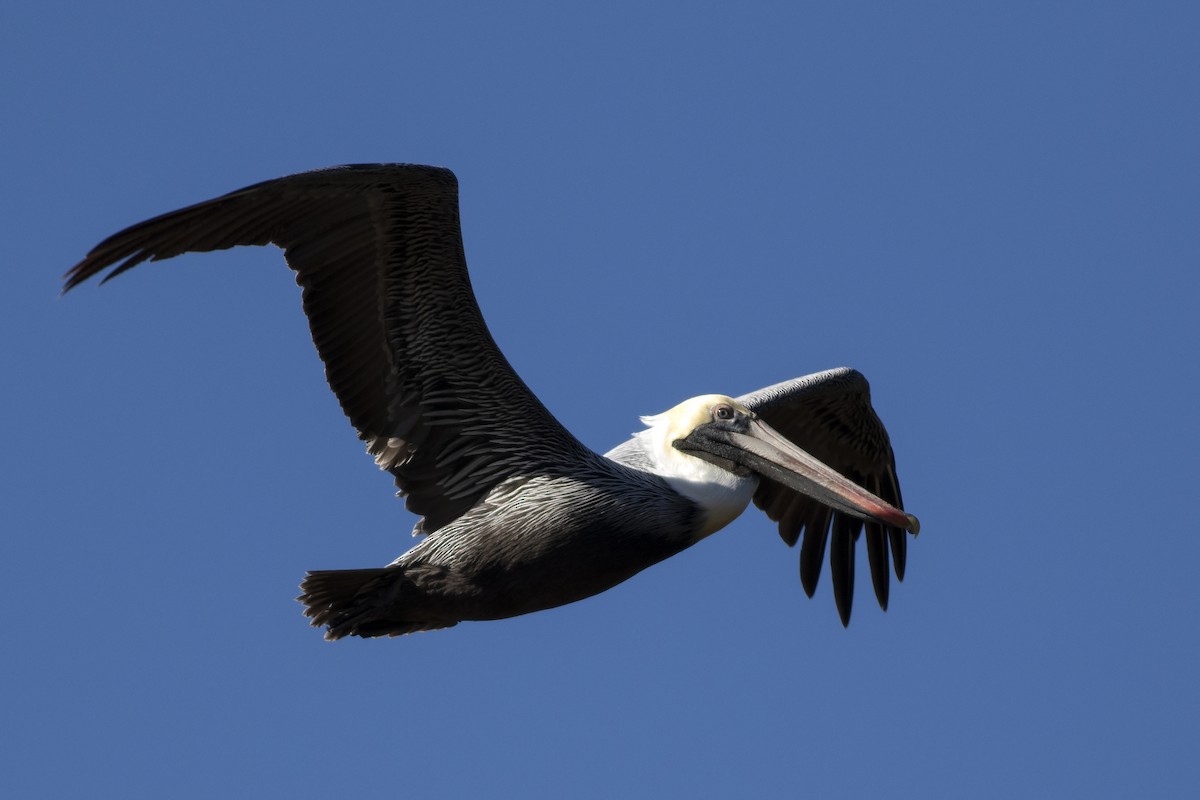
{"points": [[829, 414], [378, 251]]}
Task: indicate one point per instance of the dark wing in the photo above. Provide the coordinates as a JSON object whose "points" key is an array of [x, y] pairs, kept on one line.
{"points": [[378, 251], [829, 414]]}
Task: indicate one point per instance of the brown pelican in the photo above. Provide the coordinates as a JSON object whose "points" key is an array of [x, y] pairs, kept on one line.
{"points": [[518, 515]]}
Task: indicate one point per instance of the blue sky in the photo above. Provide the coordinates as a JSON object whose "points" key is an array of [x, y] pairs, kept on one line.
{"points": [[991, 212]]}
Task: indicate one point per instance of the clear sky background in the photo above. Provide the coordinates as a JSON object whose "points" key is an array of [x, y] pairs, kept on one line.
{"points": [[990, 211]]}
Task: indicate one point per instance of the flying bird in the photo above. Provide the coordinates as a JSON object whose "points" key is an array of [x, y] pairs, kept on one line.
{"points": [[515, 513]]}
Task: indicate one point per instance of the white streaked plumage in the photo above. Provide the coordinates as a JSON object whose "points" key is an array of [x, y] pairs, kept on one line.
{"points": [[519, 515]]}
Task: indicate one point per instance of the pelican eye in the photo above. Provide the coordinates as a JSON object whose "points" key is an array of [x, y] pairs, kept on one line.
{"points": [[723, 412]]}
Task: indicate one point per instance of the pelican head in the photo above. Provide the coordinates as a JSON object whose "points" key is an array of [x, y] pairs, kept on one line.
{"points": [[714, 450]]}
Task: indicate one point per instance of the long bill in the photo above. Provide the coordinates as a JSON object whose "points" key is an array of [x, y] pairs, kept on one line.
{"points": [[765, 451]]}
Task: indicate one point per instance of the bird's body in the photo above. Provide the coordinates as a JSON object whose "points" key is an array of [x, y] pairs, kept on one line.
{"points": [[509, 556], [518, 515]]}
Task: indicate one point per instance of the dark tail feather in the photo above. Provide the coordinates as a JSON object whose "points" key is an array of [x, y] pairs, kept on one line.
{"points": [[358, 602], [330, 594]]}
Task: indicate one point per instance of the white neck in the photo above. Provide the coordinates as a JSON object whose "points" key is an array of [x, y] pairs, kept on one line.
{"points": [[722, 495]]}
